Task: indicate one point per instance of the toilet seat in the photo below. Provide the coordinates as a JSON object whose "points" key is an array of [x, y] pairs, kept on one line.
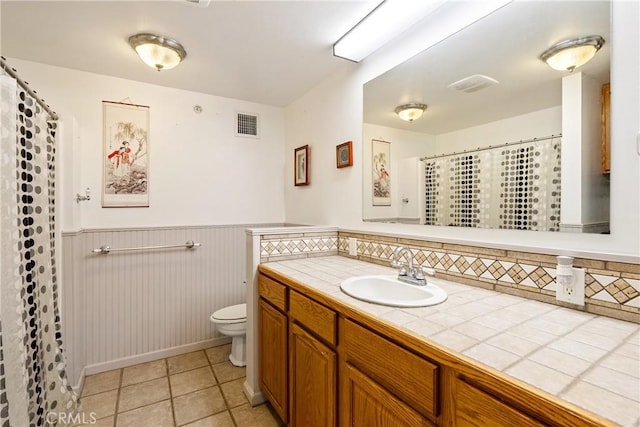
{"points": [[232, 314]]}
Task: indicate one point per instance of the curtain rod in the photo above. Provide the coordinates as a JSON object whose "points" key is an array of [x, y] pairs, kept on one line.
{"points": [[13, 73], [522, 141]]}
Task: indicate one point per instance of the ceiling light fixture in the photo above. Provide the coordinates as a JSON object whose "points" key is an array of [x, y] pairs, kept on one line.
{"points": [[571, 54], [158, 52], [410, 112]]}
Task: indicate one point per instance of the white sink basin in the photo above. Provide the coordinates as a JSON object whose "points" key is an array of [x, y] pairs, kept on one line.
{"points": [[388, 290]]}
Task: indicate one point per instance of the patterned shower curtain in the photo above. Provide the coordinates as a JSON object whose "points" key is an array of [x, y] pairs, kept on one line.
{"points": [[33, 383], [513, 187]]}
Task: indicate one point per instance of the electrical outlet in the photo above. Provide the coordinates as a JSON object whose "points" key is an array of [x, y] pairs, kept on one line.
{"points": [[572, 292], [353, 246]]}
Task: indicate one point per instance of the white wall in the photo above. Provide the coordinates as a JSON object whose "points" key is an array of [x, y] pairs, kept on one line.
{"points": [[404, 144], [332, 112], [525, 126], [200, 173]]}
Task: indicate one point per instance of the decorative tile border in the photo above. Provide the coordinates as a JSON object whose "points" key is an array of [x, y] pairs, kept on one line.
{"points": [[612, 288], [278, 247]]}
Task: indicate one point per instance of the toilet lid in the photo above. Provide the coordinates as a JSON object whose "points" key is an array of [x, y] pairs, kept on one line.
{"points": [[233, 312]]}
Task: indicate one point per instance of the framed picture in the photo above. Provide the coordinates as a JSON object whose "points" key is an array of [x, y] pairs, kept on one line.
{"points": [[344, 155], [125, 147], [301, 165], [380, 158]]}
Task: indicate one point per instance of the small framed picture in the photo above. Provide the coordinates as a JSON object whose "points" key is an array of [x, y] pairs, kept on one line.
{"points": [[344, 155], [301, 165]]}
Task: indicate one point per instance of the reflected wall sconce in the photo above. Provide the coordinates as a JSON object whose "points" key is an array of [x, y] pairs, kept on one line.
{"points": [[571, 54], [410, 112], [157, 52]]}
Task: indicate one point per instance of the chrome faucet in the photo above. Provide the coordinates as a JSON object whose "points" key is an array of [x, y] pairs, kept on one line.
{"points": [[413, 276]]}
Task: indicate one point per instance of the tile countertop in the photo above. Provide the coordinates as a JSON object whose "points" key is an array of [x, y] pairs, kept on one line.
{"points": [[591, 361]]}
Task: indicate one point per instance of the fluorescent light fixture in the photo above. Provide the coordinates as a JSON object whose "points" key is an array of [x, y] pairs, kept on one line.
{"points": [[387, 20], [392, 17]]}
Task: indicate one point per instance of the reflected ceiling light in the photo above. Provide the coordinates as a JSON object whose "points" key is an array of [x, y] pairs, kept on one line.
{"points": [[410, 112], [158, 52], [387, 20], [570, 54]]}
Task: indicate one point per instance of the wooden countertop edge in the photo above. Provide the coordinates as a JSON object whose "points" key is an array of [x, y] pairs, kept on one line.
{"points": [[483, 377]]}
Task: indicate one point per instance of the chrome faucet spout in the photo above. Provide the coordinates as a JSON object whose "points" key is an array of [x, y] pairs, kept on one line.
{"points": [[414, 276]]}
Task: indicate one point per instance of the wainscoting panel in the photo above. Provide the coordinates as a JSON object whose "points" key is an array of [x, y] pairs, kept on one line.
{"points": [[130, 303]]}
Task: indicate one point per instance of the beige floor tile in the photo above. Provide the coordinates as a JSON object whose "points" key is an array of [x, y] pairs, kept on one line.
{"points": [[105, 381], [196, 379], [142, 394], [258, 416], [186, 362], [156, 415], [102, 422], [101, 404], [218, 354], [233, 393], [144, 372], [227, 372], [199, 404], [223, 419]]}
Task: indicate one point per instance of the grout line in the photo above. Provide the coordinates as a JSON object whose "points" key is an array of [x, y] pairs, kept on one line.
{"points": [[115, 415], [173, 411]]}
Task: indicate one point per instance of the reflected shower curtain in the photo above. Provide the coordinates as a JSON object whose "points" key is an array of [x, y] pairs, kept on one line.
{"points": [[513, 187], [33, 382]]}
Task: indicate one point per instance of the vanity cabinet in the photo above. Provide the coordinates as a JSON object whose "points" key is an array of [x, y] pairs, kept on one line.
{"points": [[313, 363], [273, 344], [324, 363], [475, 407], [384, 384]]}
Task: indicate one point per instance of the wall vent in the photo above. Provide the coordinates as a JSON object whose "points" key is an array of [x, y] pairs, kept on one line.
{"points": [[247, 124], [473, 83]]}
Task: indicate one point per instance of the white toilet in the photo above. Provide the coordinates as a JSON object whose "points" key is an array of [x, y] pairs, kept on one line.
{"points": [[232, 321]]}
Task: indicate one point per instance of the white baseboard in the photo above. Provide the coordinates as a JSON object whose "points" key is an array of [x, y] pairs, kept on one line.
{"points": [[152, 355], [254, 397], [78, 387]]}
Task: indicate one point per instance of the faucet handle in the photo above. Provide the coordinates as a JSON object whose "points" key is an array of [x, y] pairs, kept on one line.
{"points": [[418, 273]]}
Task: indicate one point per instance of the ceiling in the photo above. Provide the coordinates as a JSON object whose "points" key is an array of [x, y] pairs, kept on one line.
{"points": [[269, 52], [505, 46]]}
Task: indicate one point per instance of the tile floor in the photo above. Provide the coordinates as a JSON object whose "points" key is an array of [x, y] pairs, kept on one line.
{"points": [[199, 389]]}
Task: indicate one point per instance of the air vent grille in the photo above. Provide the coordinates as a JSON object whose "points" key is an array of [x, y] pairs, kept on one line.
{"points": [[247, 125], [473, 83]]}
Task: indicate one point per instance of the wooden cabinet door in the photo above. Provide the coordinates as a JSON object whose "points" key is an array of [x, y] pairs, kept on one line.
{"points": [[476, 408], [313, 376], [363, 402], [272, 343]]}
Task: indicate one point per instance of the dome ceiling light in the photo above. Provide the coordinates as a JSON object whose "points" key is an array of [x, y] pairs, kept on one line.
{"points": [[157, 52], [571, 54], [410, 112]]}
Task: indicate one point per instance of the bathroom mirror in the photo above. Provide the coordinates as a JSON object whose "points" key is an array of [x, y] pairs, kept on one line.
{"points": [[485, 88]]}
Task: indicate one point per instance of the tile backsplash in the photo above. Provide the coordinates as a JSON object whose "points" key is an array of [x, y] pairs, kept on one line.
{"points": [[611, 288]]}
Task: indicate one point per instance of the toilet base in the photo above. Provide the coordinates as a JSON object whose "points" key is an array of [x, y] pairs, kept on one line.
{"points": [[238, 355]]}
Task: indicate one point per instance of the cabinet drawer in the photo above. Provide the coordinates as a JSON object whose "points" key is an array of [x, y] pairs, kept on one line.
{"points": [[314, 316], [273, 292], [406, 375], [474, 407]]}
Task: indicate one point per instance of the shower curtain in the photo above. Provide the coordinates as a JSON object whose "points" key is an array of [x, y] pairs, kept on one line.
{"points": [[33, 383], [515, 187]]}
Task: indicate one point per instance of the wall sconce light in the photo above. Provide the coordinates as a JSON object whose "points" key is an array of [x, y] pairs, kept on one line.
{"points": [[571, 54], [410, 112], [157, 52]]}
